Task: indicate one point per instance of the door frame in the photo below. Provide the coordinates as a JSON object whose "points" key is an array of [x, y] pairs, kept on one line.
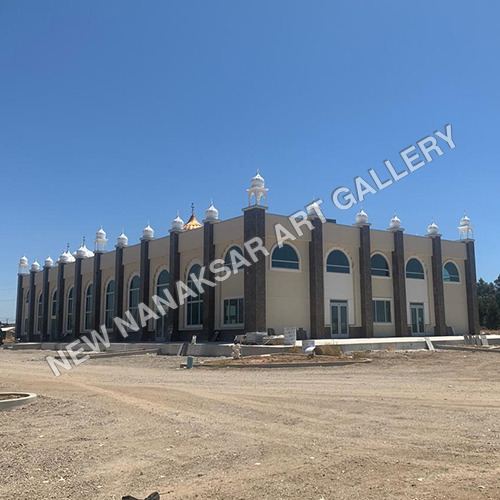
{"points": [[338, 303]]}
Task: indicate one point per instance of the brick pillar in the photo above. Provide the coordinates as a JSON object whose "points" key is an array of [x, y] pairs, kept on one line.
{"points": [[254, 225], [365, 279], [174, 266], [471, 288], [97, 281], [144, 291], [119, 284], [19, 305], [31, 318], [208, 291], [316, 280], [61, 294], [399, 285], [438, 286], [45, 304], [77, 300]]}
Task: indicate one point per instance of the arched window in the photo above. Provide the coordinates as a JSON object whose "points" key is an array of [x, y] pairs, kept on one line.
{"points": [[89, 300], [415, 270], [228, 262], [285, 257], [69, 313], [194, 309], [337, 262], [109, 304], [133, 297], [379, 265], [162, 284], [39, 313], [53, 313], [450, 273]]}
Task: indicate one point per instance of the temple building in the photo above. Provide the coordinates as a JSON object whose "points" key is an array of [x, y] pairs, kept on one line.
{"points": [[333, 281]]}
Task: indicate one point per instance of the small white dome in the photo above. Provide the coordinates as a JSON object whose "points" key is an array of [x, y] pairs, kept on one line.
{"points": [[177, 223], [148, 233], [48, 262], [432, 228], [211, 213], [257, 181], [35, 266], [395, 222], [23, 260], [122, 240], [464, 221], [361, 217], [101, 234]]}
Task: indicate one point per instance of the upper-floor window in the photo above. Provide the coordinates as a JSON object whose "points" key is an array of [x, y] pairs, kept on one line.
{"points": [[337, 262], [379, 265], [231, 260], [450, 273], [285, 258], [415, 270]]}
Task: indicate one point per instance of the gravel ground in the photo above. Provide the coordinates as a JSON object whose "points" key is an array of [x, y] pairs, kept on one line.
{"points": [[421, 425]]}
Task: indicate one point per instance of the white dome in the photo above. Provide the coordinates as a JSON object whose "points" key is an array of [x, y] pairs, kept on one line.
{"points": [[148, 233], [122, 240], [211, 213], [432, 228], [83, 252], [177, 223], [100, 235], [395, 222], [23, 260], [35, 266], [257, 181], [66, 257], [48, 262], [464, 221], [361, 217]]}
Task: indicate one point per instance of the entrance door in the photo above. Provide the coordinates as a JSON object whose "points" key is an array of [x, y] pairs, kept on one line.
{"points": [[340, 324], [417, 319]]}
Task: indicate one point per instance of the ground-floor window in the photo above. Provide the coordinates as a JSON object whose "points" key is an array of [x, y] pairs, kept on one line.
{"points": [[382, 311], [233, 311]]}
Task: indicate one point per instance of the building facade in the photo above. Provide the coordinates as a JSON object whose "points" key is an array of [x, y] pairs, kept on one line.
{"points": [[333, 281]]}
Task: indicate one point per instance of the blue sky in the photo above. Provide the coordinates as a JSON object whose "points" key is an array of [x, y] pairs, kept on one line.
{"points": [[120, 112]]}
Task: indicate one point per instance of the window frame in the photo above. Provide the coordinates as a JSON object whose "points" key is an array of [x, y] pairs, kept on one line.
{"points": [[193, 302], [88, 301], [387, 309], [380, 269], [286, 269], [161, 324], [237, 298], [134, 309], [109, 312], [229, 265], [69, 309], [348, 267], [458, 280], [414, 277], [39, 313]]}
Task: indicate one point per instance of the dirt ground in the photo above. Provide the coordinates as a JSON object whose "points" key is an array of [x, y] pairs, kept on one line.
{"points": [[422, 425]]}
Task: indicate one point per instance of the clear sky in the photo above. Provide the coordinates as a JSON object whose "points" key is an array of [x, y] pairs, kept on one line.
{"points": [[120, 112]]}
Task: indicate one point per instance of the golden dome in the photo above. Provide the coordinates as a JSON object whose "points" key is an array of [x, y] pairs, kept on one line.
{"points": [[192, 223]]}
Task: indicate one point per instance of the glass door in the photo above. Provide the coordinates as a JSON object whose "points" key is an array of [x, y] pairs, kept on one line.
{"points": [[339, 321], [417, 319]]}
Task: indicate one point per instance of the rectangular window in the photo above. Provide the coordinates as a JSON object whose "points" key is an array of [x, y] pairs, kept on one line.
{"points": [[233, 311], [382, 311]]}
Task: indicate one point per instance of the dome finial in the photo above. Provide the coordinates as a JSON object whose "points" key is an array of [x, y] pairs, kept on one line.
{"points": [[177, 223], [148, 233], [257, 189], [211, 213], [192, 223]]}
